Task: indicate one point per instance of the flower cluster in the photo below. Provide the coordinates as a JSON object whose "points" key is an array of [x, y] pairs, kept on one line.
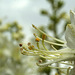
{"points": [[67, 53]]}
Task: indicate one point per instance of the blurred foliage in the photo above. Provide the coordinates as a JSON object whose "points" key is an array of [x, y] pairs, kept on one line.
{"points": [[14, 30], [10, 60]]}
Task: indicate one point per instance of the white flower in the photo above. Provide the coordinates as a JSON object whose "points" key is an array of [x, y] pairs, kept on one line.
{"points": [[67, 53]]}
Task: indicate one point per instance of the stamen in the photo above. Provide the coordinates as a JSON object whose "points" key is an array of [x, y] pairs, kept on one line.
{"points": [[57, 67], [20, 44], [29, 43], [68, 70], [21, 49], [51, 62], [38, 45], [30, 47], [50, 42], [43, 38], [48, 35], [53, 47], [37, 39], [40, 61], [66, 63]]}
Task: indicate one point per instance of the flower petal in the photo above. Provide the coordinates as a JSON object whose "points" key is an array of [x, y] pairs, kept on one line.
{"points": [[72, 17], [70, 36], [70, 31]]}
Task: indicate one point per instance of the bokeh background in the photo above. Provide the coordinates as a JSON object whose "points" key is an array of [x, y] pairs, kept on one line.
{"points": [[16, 19], [27, 12]]}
